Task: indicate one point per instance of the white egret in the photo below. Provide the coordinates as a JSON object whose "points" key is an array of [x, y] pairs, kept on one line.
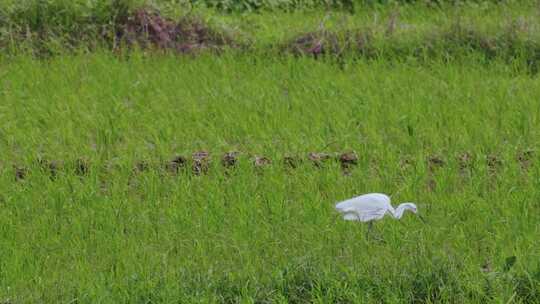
{"points": [[372, 206]]}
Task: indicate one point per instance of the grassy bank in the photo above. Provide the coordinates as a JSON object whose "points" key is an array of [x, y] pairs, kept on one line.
{"points": [[504, 31], [460, 139]]}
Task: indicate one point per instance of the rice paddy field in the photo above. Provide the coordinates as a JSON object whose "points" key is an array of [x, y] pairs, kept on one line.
{"points": [[142, 175]]}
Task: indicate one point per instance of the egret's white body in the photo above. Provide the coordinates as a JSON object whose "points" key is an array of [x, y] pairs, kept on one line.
{"points": [[372, 206]]}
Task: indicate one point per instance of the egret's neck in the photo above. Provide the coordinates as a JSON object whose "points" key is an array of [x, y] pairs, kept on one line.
{"points": [[401, 209]]}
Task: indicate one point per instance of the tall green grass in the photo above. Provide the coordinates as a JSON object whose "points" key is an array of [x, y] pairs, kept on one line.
{"points": [[266, 235]]}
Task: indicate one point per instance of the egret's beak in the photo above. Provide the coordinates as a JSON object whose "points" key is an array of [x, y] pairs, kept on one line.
{"points": [[421, 218]]}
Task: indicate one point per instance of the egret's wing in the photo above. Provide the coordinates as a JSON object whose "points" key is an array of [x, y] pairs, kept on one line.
{"points": [[349, 214], [365, 216], [345, 206], [346, 209], [373, 214], [367, 201], [367, 207], [350, 217]]}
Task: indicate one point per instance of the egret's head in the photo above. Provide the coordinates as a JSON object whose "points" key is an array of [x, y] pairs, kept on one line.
{"points": [[411, 207], [406, 207]]}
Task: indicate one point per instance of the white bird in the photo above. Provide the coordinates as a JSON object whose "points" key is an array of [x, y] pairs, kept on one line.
{"points": [[372, 206]]}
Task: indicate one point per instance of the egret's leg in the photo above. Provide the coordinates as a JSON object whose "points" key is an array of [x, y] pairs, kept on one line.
{"points": [[372, 233], [369, 229]]}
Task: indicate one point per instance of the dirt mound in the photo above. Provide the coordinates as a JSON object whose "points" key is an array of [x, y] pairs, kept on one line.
{"points": [[292, 161], [435, 162], [141, 166], [201, 161], [525, 158], [465, 162], [230, 159], [325, 42], [494, 163], [315, 43], [20, 172], [261, 161], [175, 164], [52, 167], [318, 158], [148, 28], [81, 166], [348, 159]]}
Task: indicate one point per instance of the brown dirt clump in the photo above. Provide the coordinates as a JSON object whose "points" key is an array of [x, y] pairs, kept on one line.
{"points": [[201, 161], [20, 172], [141, 166], [174, 165], [147, 27], [435, 162], [525, 158], [493, 163], [50, 166], [348, 159], [230, 159], [315, 43], [261, 161], [486, 267], [406, 162], [465, 161], [81, 167], [319, 158], [324, 42], [291, 161]]}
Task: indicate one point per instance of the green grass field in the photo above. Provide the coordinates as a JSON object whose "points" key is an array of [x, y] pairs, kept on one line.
{"points": [[459, 137], [271, 235]]}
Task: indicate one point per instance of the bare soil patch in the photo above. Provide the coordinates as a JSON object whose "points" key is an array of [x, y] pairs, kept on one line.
{"points": [[201, 161], [148, 28]]}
